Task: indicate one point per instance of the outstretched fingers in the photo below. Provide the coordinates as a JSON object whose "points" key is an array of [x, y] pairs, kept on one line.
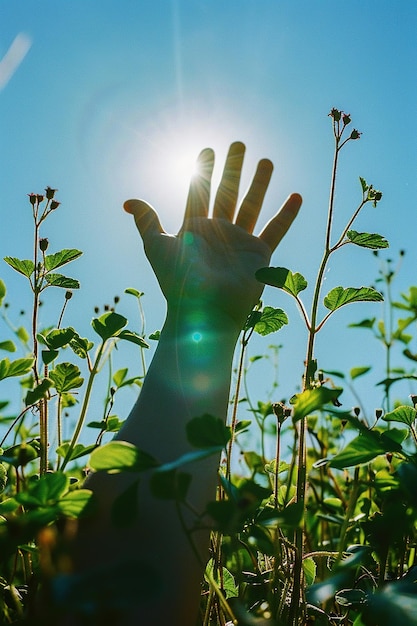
{"points": [[146, 218], [275, 230], [252, 203]]}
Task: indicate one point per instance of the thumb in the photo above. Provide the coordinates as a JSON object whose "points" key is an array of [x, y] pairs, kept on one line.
{"points": [[146, 218]]}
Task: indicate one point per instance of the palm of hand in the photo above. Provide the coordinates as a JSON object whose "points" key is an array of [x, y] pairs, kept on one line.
{"points": [[211, 262]]}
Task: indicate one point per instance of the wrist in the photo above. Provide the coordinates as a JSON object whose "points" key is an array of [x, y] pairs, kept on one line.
{"points": [[202, 325]]}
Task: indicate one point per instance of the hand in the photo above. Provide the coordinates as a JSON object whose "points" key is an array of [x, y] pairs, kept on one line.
{"points": [[211, 263]]}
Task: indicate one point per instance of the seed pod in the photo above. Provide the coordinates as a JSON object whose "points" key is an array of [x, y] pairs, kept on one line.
{"points": [[43, 244]]}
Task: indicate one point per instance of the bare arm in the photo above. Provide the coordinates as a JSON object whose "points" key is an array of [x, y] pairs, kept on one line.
{"points": [[206, 273]]}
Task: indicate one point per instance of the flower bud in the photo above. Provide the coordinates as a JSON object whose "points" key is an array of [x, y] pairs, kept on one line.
{"points": [[346, 119], [335, 114], [39, 198], [43, 244], [68, 295], [54, 205], [49, 192], [413, 398], [378, 413], [32, 198], [356, 410], [355, 134], [281, 412]]}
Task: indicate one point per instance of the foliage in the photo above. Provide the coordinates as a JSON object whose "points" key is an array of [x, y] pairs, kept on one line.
{"points": [[324, 532]]}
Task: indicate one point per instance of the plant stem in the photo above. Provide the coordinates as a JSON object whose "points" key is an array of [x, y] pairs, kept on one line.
{"points": [[297, 604], [244, 342], [84, 407], [349, 513]]}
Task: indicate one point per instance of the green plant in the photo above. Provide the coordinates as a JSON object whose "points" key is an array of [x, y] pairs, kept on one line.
{"points": [[38, 489]]}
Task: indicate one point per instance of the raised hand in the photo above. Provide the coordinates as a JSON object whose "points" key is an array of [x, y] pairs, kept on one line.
{"points": [[212, 261]]}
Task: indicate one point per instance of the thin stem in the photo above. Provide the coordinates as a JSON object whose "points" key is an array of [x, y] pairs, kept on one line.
{"points": [[332, 192], [59, 427], [277, 460], [35, 302], [142, 332], [84, 407], [244, 343], [349, 513], [348, 225]]}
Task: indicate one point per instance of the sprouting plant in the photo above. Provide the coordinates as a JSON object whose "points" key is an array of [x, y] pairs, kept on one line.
{"points": [[314, 393]]}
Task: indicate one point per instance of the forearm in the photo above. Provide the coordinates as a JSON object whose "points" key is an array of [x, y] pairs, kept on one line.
{"points": [[189, 376]]}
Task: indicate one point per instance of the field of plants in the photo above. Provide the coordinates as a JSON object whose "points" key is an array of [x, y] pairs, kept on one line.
{"points": [[323, 532]]}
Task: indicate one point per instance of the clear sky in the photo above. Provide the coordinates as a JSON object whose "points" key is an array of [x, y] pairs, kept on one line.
{"points": [[108, 100]]}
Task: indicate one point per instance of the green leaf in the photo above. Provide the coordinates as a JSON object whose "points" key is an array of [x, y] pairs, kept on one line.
{"points": [[340, 296], [111, 425], [367, 240], [367, 323], [3, 477], [23, 266], [65, 377], [207, 431], [270, 321], [309, 569], [129, 335], [282, 278], [3, 291], [109, 325], [364, 186], [119, 376], [23, 334], [59, 337], [242, 426], [7, 346], [21, 454], [48, 488], [403, 414], [81, 346], [120, 456], [48, 356], [387, 382], [226, 581], [58, 280], [291, 516], [52, 261], [282, 467], [134, 292], [355, 372], [313, 399], [79, 450], [365, 447], [19, 367], [76, 503], [34, 395]]}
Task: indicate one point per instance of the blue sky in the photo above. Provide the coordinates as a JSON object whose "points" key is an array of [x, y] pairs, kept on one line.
{"points": [[113, 100]]}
